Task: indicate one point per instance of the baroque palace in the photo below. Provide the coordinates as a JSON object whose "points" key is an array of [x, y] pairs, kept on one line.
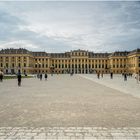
{"points": [[76, 61]]}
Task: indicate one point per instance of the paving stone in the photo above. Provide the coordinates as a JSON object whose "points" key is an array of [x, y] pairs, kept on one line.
{"points": [[45, 134]]}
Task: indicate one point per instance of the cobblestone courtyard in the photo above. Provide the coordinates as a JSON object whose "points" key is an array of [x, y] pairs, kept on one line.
{"points": [[67, 102]]}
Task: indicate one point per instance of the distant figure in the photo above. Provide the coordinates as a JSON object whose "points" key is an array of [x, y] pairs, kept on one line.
{"points": [[25, 74], [71, 73], [137, 77], [98, 75], [125, 77], [111, 75], [19, 79], [102, 74], [1, 76], [46, 76], [40, 77]]}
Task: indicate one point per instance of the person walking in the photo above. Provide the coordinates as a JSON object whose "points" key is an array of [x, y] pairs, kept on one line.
{"points": [[98, 75], [19, 79], [137, 77], [71, 74], [111, 75], [102, 74], [46, 76], [1, 76], [125, 77], [40, 76]]}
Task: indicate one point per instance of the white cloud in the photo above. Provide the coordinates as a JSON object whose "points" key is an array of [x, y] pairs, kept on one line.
{"points": [[19, 44], [60, 26]]}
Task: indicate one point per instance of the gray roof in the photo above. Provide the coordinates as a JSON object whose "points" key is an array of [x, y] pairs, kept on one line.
{"points": [[125, 53], [98, 55], [14, 51], [67, 54], [40, 54]]}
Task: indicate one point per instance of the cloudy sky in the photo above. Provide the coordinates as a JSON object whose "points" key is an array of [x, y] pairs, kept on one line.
{"points": [[64, 26]]}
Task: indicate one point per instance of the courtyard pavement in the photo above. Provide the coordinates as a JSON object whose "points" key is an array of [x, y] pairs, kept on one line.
{"points": [[65, 102], [131, 86]]}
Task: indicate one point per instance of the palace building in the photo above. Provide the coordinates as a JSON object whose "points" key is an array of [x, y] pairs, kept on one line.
{"points": [[76, 61]]}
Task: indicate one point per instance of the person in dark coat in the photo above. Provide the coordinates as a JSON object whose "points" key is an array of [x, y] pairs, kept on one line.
{"points": [[102, 74], [19, 79], [46, 76], [1, 76], [111, 75], [40, 76], [98, 75], [125, 77]]}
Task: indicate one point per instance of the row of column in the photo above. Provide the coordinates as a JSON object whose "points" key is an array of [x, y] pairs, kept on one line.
{"points": [[15, 62]]}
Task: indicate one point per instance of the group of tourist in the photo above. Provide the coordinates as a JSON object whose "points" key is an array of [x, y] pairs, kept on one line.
{"points": [[125, 75], [40, 76], [136, 76], [99, 74]]}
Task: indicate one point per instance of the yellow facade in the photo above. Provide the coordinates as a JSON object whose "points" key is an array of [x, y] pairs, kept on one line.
{"points": [[77, 61]]}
